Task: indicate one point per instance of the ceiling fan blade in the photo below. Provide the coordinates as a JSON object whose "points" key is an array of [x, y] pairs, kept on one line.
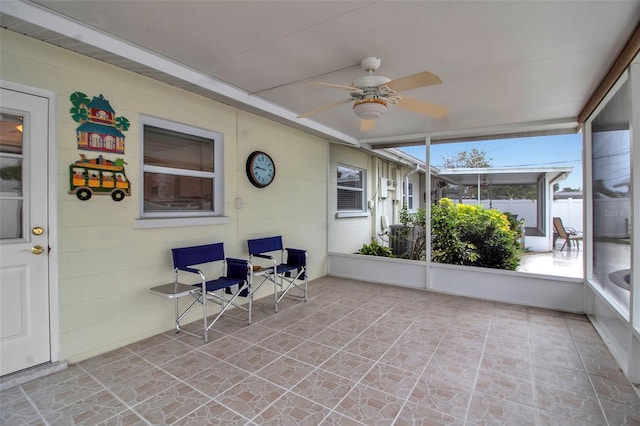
{"points": [[367, 125], [323, 107], [421, 79], [338, 86], [422, 107]]}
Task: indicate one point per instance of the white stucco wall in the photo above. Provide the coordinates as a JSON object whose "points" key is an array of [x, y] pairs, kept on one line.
{"points": [[106, 264]]}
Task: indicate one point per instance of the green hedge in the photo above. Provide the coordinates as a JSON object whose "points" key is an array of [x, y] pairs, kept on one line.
{"points": [[472, 235]]}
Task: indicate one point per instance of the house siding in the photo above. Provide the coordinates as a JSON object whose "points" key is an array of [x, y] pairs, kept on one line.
{"points": [[106, 264], [348, 234]]}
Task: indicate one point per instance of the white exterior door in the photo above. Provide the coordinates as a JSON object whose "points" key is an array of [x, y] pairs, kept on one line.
{"points": [[24, 259]]}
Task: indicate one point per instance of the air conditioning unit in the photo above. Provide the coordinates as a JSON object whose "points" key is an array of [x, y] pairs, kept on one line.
{"points": [[401, 240], [391, 185]]}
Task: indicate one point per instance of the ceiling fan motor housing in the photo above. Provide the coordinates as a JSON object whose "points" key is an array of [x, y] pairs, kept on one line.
{"points": [[369, 85]]}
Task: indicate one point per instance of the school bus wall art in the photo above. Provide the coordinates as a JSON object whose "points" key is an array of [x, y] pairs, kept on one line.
{"points": [[98, 176]]}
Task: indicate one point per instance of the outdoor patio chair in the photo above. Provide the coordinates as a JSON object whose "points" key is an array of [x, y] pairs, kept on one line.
{"points": [[568, 234], [235, 272], [286, 273]]}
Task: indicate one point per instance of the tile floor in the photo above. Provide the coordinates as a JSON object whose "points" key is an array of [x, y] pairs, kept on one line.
{"points": [[354, 354]]}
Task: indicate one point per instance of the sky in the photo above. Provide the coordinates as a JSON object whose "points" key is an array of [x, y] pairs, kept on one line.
{"points": [[557, 150]]}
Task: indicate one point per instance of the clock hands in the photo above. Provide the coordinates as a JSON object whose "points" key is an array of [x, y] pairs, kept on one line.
{"points": [[260, 168]]}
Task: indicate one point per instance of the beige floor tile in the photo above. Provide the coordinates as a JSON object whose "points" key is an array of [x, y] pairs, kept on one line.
{"points": [[370, 406], [413, 414], [90, 410], [447, 398], [292, 409], [218, 378], [355, 354], [212, 414], [323, 387], [171, 405], [285, 371], [348, 365], [489, 410], [249, 397], [572, 405]]}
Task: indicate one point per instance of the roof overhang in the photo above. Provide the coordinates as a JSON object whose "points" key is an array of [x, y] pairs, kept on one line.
{"points": [[505, 175]]}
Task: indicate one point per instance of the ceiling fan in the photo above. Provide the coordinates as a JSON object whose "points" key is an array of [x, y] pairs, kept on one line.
{"points": [[372, 94]]}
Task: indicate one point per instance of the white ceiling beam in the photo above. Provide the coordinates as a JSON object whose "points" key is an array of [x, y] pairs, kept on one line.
{"points": [[497, 132]]}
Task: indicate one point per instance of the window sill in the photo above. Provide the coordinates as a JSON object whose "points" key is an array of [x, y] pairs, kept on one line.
{"points": [[340, 215], [172, 222]]}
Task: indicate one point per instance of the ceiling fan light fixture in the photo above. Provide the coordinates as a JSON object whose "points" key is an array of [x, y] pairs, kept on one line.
{"points": [[370, 109]]}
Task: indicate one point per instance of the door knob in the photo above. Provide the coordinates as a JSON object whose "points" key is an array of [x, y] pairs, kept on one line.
{"points": [[37, 249], [37, 230]]}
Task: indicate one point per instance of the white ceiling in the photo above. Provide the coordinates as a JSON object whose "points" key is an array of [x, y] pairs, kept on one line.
{"points": [[504, 64]]}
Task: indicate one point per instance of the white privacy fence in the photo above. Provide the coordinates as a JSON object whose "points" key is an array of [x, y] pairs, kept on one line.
{"points": [[570, 210], [611, 216]]}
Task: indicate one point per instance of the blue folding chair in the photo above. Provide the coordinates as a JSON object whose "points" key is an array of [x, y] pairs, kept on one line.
{"points": [[234, 272], [287, 272]]}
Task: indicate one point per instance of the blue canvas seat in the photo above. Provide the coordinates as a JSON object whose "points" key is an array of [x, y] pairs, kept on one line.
{"points": [[288, 269], [234, 273]]}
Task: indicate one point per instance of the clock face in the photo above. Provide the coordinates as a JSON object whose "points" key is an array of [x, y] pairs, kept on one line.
{"points": [[260, 169]]}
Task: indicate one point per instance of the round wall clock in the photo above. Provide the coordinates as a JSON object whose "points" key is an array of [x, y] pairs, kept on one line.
{"points": [[260, 169]]}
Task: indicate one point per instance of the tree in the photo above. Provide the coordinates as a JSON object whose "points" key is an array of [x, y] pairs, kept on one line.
{"points": [[514, 192], [122, 123], [79, 112], [569, 189], [467, 159]]}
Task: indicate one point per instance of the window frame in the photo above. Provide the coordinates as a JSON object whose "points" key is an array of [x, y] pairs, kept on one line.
{"points": [[603, 288], [362, 190], [409, 191], [180, 218]]}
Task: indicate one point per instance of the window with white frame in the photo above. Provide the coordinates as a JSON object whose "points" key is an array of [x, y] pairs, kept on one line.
{"points": [[409, 194], [351, 189], [182, 170]]}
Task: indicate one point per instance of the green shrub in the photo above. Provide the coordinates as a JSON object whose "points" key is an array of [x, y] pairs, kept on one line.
{"points": [[375, 249], [472, 235]]}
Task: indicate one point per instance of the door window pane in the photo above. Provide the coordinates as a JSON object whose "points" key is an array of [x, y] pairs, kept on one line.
{"points": [[10, 219], [11, 183], [10, 134], [10, 176]]}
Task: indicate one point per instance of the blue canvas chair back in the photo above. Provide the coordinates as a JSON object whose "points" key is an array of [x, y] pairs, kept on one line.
{"points": [[265, 245], [296, 257], [237, 268], [195, 255]]}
